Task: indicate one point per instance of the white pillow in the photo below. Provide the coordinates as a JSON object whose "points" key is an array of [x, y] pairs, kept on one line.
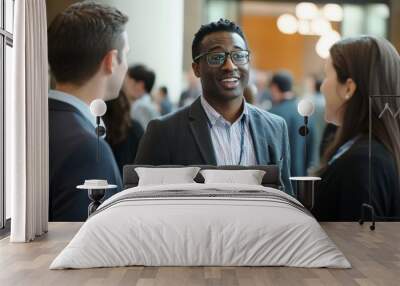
{"points": [[248, 177], [165, 176]]}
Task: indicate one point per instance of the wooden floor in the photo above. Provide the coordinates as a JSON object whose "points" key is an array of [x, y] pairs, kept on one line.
{"points": [[375, 257]]}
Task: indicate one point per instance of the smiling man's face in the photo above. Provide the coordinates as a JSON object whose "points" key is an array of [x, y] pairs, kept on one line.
{"points": [[227, 81]]}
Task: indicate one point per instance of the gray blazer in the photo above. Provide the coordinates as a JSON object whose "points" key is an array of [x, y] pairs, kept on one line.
{"points": [[183, 138]]}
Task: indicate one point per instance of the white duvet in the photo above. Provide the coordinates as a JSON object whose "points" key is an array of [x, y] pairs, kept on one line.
{"points": [[207, 230]]}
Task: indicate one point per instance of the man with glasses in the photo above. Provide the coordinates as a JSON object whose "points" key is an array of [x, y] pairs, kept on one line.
{"points": [[219, 128]]}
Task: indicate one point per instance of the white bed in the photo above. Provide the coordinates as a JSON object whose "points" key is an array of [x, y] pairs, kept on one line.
{"points": [[222, 225]]}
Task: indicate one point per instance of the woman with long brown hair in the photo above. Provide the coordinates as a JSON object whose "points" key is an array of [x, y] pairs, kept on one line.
{"points": [[123, 134], [357, 68]]}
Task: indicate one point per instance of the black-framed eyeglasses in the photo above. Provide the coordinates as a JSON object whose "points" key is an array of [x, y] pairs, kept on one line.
{"points": [[216, 59]]}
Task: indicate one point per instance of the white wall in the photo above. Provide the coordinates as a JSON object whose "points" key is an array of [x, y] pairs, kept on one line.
{"points": [[194, 17], [155, 31]]}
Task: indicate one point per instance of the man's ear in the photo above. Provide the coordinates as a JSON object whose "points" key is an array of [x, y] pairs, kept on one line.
{"points": [[196, 69], [110, 61], [141, 86]]}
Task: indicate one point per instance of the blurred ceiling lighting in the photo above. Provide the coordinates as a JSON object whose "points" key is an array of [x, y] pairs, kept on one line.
{"points": [[305, 27], [287, 24], [320, 26], [333, 12], [310, 20], [325, 43], [306, 10], [381, 10]]}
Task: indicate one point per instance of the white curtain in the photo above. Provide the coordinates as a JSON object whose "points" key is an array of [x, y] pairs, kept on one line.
{"points": [[27, 124]]}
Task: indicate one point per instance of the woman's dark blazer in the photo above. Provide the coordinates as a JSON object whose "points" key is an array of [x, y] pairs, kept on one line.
{"points": [[344, 185]]}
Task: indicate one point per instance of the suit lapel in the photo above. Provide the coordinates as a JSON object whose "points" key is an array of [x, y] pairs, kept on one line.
{"points": [[260, 138], [198, 125]]}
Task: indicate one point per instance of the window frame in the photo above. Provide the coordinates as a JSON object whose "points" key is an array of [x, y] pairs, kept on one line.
{"points": [[6, 39]]}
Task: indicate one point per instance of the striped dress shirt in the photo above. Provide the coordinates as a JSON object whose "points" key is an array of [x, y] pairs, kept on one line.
{"points": [[226, 137]]}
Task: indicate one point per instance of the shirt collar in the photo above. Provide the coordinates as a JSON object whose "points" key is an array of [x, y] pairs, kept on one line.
{"points": [[145, 98], [343, 149], [214, 116], [79, 104]]}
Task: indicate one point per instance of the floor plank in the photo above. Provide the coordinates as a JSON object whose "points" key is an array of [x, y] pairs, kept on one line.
{"points": [[374, 255]]}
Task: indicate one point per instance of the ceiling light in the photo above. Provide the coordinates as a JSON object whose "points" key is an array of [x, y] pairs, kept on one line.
{"points": [[306, 10], [320, 26], [304, 27], [287, 24], [381, 9], [333, 12], [325, 43]]}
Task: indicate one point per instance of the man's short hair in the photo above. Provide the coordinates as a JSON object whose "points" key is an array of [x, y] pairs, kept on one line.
{"points": [[222, 25], [142, 73], [164, 90], [317, 85], [283, 80], [80, 37]]}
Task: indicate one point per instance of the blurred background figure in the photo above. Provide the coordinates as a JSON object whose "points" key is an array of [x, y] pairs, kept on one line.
{"points": [[263, 97], [318, 99], [250, 93], [163, 101], [284, 104], [123, 134], [139, 82], [193, 90]]}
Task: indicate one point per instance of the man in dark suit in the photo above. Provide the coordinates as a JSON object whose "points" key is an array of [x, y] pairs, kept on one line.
{"points": [[87, 57], [219, 128], [284, 104]]}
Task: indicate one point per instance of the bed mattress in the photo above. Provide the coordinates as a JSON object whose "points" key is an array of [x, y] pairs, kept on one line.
{"points": [[201, 225]]}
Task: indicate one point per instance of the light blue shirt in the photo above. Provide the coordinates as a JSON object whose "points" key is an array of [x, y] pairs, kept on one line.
{"points": [[79, 104], [319, 122], [343, 149], [226, 137], [143, 110]]}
